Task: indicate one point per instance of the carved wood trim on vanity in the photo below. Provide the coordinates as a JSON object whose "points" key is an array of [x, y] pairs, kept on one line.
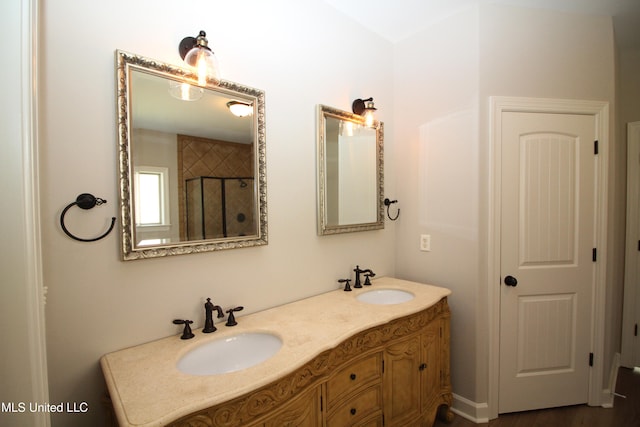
{"points": [[255, 407]]}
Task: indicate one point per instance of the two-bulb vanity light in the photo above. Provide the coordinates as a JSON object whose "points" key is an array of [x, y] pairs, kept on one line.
{"points": [[366, 109]]}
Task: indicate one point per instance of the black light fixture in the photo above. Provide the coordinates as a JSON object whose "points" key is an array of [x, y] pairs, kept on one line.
{"points": [[366, 109], [196, 52]]}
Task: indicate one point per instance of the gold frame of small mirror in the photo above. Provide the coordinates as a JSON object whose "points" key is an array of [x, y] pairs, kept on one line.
{"points": [[330, 199], [132, 247]]}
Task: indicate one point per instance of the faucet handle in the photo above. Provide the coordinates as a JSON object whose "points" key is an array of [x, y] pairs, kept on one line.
{"points": [[186, 333], [367, 276], [347, 287], [231, 320]]}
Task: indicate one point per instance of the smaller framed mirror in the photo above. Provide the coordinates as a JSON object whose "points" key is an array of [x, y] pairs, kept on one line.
{"points": [[350, 172]]}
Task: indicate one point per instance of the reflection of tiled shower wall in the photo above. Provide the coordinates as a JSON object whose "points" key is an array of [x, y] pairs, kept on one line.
{"points": [[239, 207], [208, 221], [208, 157]]}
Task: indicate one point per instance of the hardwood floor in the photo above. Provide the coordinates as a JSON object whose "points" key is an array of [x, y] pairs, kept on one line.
{"points": [[625, 413]]}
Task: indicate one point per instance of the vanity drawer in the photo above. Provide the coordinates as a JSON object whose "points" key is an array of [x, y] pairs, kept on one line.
{"points": [[365, 408], [352, 377]]}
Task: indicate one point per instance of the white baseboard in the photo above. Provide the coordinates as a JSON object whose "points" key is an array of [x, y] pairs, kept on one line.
{"points": [[472, 411], [608, 394]]}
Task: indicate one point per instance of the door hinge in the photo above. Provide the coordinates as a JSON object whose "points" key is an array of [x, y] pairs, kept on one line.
{"points": [[383, 366], [595, 147], [635, 330], [321, 405], [638, 245], [590, 359], [594, 254]]}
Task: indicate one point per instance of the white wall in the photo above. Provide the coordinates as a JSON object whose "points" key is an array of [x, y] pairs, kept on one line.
{"points": [[628, 107], [301, 53], [444, 78], [436, 89]]}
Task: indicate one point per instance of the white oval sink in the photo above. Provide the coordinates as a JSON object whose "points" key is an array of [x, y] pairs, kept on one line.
{"points": [[385, 296], [230, 354]]}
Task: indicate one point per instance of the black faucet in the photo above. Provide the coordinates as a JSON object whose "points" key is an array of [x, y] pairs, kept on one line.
{"points": [[357, 270], [208, 322], [367, 282], [231, 320], [186, 333]]}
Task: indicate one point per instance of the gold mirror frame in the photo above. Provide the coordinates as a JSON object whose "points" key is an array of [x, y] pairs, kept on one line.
{"points": [[324, 225], [125, 62]]}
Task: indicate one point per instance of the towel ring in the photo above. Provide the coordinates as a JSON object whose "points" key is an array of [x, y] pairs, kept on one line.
{"points": [[388, 203], [85, 201]]}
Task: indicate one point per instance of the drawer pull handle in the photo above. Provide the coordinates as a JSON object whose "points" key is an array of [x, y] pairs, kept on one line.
{"points": [[352, 376], [353, 411], [423, 367]]}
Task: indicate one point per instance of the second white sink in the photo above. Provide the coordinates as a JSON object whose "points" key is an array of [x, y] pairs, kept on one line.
{"points": [[230, 354], [385, 296]]}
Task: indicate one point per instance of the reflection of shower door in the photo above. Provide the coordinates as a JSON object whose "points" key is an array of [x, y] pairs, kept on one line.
{"points": [[218, 207]]}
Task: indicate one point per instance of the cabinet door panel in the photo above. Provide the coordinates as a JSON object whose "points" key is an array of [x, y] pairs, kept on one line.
{"points": [[402, 381], [431, 360]]}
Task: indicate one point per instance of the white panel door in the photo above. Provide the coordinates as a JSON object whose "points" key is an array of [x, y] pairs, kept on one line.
{"points": [[547, 241]]}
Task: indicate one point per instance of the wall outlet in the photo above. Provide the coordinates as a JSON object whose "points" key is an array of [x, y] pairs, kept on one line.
{"points": [[425, 242]]}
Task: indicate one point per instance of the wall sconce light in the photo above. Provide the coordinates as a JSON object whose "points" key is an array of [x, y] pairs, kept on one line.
{"points": [[366, 109], [240, 109], [196, 53]]}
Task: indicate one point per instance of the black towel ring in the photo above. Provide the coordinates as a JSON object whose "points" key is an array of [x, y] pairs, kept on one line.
{"points": [[388, 203], [85, 201]]}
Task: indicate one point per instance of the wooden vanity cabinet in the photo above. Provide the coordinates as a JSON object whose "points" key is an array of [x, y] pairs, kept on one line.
{"points": [[396, 374], [414, 376]]}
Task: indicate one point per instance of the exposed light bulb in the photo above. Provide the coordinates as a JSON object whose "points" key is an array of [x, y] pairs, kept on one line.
{"points": [[368, 114], [203, 61], [369, 119]]}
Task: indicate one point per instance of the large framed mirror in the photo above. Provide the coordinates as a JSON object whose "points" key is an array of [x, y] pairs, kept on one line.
{"points": [[350, 172], [192, 173]]}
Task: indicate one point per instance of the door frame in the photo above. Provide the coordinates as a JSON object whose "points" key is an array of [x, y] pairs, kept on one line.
{"points": [[630, 308], [600, 111]]}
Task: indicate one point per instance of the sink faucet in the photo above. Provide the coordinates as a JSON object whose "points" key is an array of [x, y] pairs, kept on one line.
{"points": [[358, 272], [208, 323]]}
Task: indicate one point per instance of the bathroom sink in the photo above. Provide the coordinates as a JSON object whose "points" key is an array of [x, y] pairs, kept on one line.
{"points": [[230, 354], [385, 296]]}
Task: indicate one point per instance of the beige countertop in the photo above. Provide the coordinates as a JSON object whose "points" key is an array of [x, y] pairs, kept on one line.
{"points": [[147, 389]]}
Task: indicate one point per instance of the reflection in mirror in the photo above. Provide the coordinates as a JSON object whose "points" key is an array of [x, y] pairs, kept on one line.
{"points": [[350, 173], [192, 174]]}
